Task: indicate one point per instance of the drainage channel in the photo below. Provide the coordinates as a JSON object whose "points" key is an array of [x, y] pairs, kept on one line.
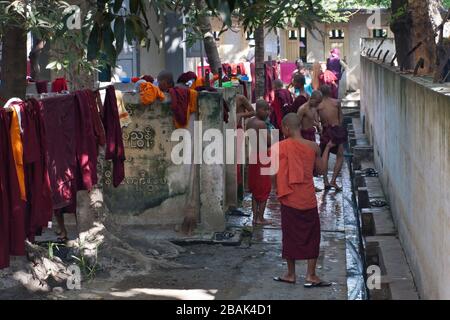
{"points": [[355, 255]]}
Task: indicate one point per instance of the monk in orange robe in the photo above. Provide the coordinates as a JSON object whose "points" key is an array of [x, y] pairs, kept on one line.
{"points": [[300, 224]]}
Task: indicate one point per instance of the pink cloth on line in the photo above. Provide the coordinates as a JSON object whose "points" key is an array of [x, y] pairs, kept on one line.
{"points": [[286, 70]]}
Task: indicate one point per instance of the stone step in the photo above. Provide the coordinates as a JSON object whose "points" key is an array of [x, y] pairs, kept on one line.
{"points": [[381, 223], [397, 282]]}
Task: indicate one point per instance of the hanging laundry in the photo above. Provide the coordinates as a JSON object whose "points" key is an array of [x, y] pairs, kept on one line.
{"points": [[115, 150], [60, 84], [149, 93], [39, 208], [12, 217], [59, 119], [86, 142], [125, 119], [17, 149], [182, 105], [99, 131]]}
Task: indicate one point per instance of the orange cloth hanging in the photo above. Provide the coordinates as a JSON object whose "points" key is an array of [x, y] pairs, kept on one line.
{"points": [[17, 149], [149, 93]]}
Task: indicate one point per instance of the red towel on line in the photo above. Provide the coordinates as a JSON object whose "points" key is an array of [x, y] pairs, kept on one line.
{"points": [[115, 150]]}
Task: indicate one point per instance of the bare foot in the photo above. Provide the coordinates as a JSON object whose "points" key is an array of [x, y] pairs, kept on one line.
{"points": [[286, 278]]}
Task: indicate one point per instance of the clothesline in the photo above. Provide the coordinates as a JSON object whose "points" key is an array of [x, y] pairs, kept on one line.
{"points": [[50, 95]]}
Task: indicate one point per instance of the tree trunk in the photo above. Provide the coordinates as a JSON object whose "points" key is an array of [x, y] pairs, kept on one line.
{"points": [[426, 17], [417, 24], [259, 62], [401, 27], [14, 63], [209, 42]]}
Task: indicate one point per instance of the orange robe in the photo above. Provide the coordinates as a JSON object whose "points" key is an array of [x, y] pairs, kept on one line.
{"points": [[17, 149], [295, 184], [300, 222]]}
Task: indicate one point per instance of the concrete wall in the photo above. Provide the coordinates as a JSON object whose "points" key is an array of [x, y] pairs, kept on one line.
{"points": [[408, 121], [155, 189], [388, 44]]}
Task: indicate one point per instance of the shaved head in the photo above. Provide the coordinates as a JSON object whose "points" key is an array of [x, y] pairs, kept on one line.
{"points": [[316, 95], [261, 104], [326, 90], [165, 79], [315, 99], [278, 84], [262, 109], [291, 121]]}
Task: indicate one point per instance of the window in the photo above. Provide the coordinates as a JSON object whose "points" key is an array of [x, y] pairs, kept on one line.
{"points": [[250, 36], [293, 34], [379, 33], [336, 34]]}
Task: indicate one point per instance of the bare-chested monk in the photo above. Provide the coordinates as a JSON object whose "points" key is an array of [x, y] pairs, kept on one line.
{"points": [[309, 117], [259, 185], [244, 110], [331, 117]]}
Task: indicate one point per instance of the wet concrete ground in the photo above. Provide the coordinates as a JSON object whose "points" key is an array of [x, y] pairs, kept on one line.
{"points": [[234, 272]]}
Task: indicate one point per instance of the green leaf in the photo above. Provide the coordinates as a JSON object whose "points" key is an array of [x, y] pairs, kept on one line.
{"points": [[119, 32], [107, 44], [117, 5], [51, 65], [129, 29], [134, 6], [93, 43]]}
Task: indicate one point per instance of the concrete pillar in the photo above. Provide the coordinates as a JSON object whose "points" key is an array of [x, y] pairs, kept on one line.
{"points": [[231, 179], [212, 176]]}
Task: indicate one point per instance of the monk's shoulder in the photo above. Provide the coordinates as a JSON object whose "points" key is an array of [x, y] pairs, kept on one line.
{"points": [[312, 146]]}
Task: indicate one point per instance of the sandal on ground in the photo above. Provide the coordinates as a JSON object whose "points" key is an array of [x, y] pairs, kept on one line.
{"points": [[378, 203], [280, 279], [320, 284]]}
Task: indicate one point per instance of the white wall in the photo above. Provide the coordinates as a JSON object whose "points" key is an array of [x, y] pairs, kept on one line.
{"points": [[408, 121]]}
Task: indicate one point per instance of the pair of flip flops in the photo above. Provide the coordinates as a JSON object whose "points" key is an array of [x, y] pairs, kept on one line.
{"points": [[370, 172], [378, 203], [320, 284]]}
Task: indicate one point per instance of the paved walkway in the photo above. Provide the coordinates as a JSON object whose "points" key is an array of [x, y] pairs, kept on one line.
{"points": [[233, 272]]}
